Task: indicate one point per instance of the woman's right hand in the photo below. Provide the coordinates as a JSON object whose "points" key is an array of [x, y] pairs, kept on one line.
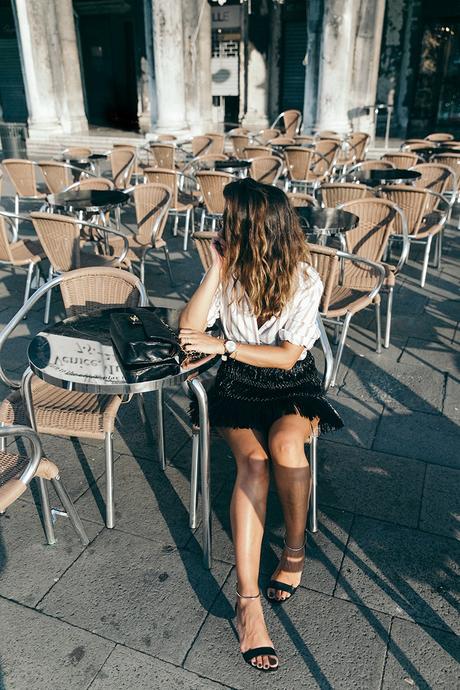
{"points": [[216, 252]]}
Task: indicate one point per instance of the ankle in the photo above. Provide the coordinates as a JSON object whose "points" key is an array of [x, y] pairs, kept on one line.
{"points": [[295, 546]]}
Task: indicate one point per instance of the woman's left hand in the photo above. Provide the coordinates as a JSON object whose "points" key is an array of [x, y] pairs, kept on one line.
{"points": [[196, 341]]}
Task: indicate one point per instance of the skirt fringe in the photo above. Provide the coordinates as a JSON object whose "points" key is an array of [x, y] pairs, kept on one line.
{"points": [[248, 397]]}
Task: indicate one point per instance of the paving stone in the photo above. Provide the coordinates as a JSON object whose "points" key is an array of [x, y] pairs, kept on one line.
{"points": [[442, 354], [312, 638], [427, 326], [41, 653], [415, 386], [446, 308], [451, 407], [360, 418], [148, 501], [147, 596], [422, 658], [428, 437], [402, 572], [369, 483], [126, 669], [440, 512], [28, 566]]}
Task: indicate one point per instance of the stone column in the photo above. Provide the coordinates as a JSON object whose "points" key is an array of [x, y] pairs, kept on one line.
{"points": [[274, 61], [257, 79], [366, 57], [336, 58], [169, 64], [51, 67], [196, 18]]}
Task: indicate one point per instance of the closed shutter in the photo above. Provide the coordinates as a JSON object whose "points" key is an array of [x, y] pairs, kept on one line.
{"points": [[293, 74], [12, 96]]}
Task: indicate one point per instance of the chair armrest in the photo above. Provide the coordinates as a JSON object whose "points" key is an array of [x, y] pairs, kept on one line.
{"points": [[35, 454], [327, 350]]}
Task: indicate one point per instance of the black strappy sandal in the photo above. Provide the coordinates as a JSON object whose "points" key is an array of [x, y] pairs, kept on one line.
{"points": [[283, 586], [251, 654]]}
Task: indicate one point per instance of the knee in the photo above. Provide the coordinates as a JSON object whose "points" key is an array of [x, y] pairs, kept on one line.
{"points": [[286, 450], [254, 467]]}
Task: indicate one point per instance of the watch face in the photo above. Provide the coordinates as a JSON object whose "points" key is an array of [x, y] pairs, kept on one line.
{"points": [[230, 346]]}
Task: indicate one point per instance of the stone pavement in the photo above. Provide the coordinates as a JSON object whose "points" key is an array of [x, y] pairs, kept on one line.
{"points": [[135, 609]]}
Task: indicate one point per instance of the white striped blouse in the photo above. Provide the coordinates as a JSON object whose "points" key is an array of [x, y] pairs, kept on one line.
{"points": [[296, 323]]}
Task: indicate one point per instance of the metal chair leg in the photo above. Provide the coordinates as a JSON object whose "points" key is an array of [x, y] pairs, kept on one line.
{"points": [[161, 429], [378, 327], [48, 299], [197, 388], [194, 478], [16, 220], [386, 342], [30, 273], [425, 260], [2, 441], [46, 511], [168, 264], [70, 510], [203, 217], [141, 406], [109, 505], [439, 250], [338, 356], [186, 231], [176, 222], [313, 491]]}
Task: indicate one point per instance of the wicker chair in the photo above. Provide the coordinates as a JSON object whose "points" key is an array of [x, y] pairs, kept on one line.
{"points": [[19, 253], [60, 238], [122, 161], [439, 178], [205, 162], [60, 176], [166, 137], [97, 183], [181, 205], [402, 159], [324, 160], [212, 187], [266, 169], [370, 239], [239, 142], [164, 155], [304, 140], [335, 193], [201, 145], [328, 134], [354, 150], [343, 298], [22, 174], [298, 164], [66, 413], [17, 471], [281, 140], [424, 222], [371, 165], [290, 122], [76, 153], [266, 135], [440, 137], [256, 151], [217, 142], [151, 202], [299, 200], [413, 145]]}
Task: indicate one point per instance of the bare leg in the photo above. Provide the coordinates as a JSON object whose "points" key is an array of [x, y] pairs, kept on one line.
{"points": [[286, 441], [247, 513]]}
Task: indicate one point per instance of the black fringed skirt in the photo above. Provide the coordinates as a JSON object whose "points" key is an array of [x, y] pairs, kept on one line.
{"points": [[248, 397]]}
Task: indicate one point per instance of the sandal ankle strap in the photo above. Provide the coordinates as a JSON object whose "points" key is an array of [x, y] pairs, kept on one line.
{"points": [[291, 548], [246, 596]]}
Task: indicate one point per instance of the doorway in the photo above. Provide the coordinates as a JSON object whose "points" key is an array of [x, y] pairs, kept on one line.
{"points": [[108, 59]]}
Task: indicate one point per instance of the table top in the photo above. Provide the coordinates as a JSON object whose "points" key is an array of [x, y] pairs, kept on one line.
{"points": [[97, 157], [93, 200], [232, 164], [375, 178], [428, 151], [330, 220], [77, 354]]}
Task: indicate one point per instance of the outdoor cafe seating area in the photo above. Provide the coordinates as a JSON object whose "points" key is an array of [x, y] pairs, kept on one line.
{"points": [[362, 219]]}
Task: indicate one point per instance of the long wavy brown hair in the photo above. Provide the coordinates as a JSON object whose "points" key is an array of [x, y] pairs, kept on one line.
{"points": [[264, 245]]}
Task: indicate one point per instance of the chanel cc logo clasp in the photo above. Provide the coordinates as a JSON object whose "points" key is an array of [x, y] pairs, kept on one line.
{"points": [[134, 319]]}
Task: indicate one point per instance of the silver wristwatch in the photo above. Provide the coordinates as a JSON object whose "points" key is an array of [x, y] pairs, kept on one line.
{"points": [[230, 347]]}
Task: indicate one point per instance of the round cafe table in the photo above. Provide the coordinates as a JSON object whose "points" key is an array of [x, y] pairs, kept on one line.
{"points": [[326, 221], [235, 166], [77, 354], [427, 152], [89, 201], [378, 178]]}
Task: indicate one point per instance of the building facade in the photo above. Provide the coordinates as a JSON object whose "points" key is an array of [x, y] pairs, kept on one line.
{"points": [[195, 65]]}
